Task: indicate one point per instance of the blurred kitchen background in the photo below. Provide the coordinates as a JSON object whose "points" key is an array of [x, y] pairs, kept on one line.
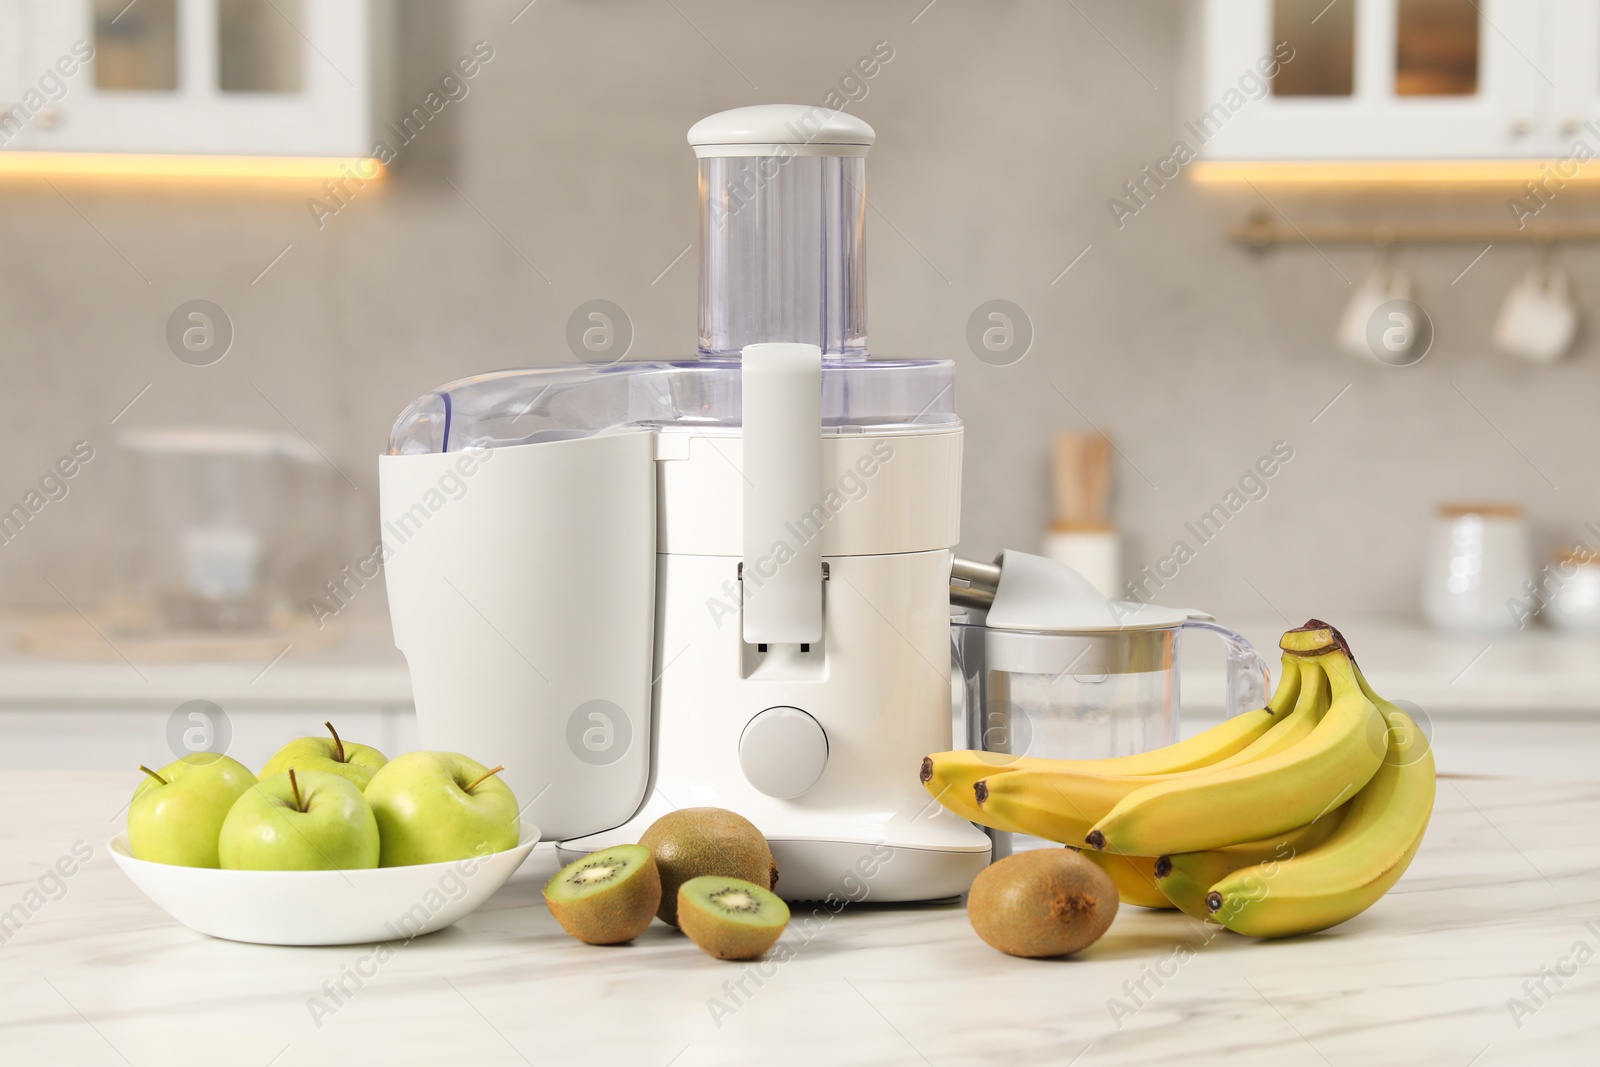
{"points": [[1191, 262]]}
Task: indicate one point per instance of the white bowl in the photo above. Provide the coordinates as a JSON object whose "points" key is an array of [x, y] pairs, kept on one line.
{"points": [[323, 907]]}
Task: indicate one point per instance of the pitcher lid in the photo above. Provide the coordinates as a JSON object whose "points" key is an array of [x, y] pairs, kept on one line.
{"points": [[1036, 593]]}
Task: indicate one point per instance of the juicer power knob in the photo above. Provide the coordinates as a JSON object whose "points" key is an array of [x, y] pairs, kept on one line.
{"points": [[782, 752]]}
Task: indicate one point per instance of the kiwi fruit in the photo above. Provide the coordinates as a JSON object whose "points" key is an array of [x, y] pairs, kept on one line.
{"points": [[692, 842], [730, 918], [608, 897], [1047, 902]]}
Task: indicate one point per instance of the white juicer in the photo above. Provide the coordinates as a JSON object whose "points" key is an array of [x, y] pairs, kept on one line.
{"points": [[718, 582]]}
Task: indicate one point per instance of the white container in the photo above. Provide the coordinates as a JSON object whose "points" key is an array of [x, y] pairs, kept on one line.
{"points": [[1094, 552], [1575, 605], [1479, 557], [323, 907]]}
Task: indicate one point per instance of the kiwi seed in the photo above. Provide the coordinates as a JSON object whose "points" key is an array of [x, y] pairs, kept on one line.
{"points": [[692, 842], [608, 897], [1047, 902], [730, 918]]}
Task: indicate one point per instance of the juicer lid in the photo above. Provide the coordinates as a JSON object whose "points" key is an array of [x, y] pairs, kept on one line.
{"points": [[1040, 594], [780, 129]]}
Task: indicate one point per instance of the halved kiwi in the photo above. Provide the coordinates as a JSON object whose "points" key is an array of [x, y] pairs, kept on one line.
{"points": [[1047, 902], [730, 918], [607, 897]]}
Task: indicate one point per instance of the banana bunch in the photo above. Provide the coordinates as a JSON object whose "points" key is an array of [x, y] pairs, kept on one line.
{"points": [[1283, 820]]}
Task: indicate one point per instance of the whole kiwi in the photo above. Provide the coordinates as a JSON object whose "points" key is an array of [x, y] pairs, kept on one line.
{"points": [[693, 842], [1046, 902]]}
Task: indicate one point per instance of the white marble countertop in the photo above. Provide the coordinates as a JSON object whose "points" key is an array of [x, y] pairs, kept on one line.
{"points": [[1500, 893]]}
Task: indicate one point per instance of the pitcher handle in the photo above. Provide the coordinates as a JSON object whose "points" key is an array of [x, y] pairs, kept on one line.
{"points": [[1247, 670]]}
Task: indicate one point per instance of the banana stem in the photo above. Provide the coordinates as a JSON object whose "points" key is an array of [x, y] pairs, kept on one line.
{"points": [[338, 745], [484, 777], [154, 775]]}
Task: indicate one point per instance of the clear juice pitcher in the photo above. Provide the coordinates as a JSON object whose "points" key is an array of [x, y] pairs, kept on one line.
{"points": [[1048, 667]]}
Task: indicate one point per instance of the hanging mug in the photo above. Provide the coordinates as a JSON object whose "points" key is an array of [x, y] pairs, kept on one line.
{"points": [[1382, 323], [1539, 319]]}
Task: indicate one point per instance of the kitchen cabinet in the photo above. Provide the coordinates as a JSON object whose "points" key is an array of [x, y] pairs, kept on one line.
{"points": [[195, 77], [1397, 79]]}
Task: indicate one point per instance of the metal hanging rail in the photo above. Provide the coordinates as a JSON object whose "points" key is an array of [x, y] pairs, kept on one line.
{"points": [[1261, 232]]}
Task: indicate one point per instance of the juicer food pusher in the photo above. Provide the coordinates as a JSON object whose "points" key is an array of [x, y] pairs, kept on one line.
{"points": [[717, 582]]}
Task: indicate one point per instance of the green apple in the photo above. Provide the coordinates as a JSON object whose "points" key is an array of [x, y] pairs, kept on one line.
{"points": [[433, 807], [358, 763], [300, 821], [176, 814]]}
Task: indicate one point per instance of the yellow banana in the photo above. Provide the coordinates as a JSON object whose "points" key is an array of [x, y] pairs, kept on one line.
{"points": [[1186, 877], [1040, 798], [1218, 807], [1134, 876], [950, 776], [1362, 859]]}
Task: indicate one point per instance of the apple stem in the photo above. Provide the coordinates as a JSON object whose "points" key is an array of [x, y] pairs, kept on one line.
{"points": [[154, 775], [485, 777], [299, 805], [338, 745]]}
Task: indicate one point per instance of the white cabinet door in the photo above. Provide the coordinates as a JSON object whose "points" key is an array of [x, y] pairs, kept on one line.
{"points": [[208, 77], [1379, 79], [1573, 37]]}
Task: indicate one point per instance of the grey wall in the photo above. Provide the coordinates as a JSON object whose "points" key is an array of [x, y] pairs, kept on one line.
{"points": [[1004, 126]]}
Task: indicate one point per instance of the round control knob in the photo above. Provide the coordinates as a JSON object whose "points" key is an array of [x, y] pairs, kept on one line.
{"points": [[782, 752]]}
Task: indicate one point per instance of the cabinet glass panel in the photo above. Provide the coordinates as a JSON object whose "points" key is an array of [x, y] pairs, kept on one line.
{"points": [[1436, 48], [1323, 36], [136, 45], [259, 47]]}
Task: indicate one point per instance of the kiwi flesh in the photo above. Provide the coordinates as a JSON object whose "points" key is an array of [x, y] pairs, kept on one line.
{"points": [[607, 897], [730, 918], [692, 842], [1046, 902]]}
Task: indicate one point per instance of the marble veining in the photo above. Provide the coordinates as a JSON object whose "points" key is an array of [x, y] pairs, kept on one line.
{"points": [[1474, 958]]}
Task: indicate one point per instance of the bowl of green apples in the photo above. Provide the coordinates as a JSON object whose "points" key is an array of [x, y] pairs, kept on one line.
{"points": [[331, 844]]}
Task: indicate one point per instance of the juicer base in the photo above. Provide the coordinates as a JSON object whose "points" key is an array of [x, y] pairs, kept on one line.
{"points": [[851, 870]]}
